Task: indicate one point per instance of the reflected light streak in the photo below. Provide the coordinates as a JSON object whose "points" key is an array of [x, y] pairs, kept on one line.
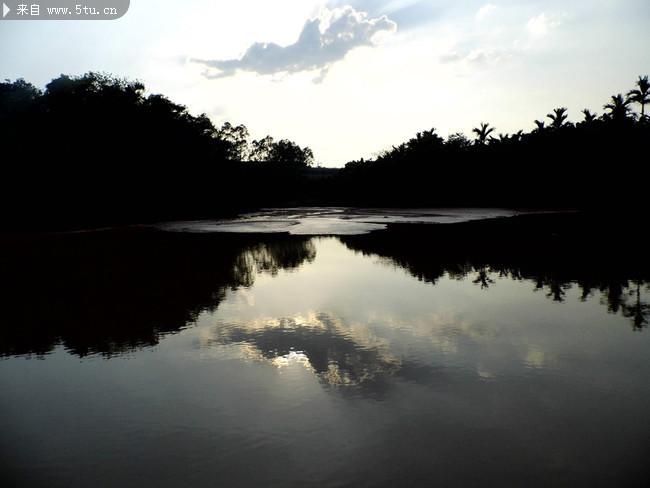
{"points": [[293, 358]]}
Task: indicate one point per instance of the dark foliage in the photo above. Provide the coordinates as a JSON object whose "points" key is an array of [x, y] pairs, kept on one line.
{"points": [[94, 150], [597, 163]]}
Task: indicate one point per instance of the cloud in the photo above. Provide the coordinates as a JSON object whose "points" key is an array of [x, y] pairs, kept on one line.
{"points": [[487, 50], [323, 41], [408, 14], [484, 11], [541, 25], [476, 58]]}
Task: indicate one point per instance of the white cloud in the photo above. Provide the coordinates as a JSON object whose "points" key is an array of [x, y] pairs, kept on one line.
{"points": [[541, 25], [485, 10], [479, 57], [322, 41]]}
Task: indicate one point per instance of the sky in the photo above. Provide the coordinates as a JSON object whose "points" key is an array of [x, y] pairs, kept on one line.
{"points": [[350, 78]]}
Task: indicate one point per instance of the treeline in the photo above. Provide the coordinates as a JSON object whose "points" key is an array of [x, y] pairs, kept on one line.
{"points": [[599, 162], [96, 150]]}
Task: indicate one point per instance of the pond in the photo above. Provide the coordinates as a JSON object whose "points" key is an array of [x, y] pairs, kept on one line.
{"points": [[508, 352]]}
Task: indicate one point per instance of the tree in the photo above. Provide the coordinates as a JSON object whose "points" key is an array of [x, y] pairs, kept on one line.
{"points": [[288, 153], [482, 132], [618, 108], [427, 138], [589, 117], [19, 109], [640, 95], [237, 137], [284, 152], [458, 141], [558, 117], [17, 95], [261, 150]]}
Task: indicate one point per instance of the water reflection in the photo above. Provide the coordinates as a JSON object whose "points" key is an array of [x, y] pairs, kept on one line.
{"points": [[112, 292], [405, 357], [323, 343], [554, 253], [115, 291]]}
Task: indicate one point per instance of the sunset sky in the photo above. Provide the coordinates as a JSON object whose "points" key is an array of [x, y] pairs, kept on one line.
{"points": [[351, 78]]}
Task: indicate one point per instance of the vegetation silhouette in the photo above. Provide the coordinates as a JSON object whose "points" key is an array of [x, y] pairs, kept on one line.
{"points": [[482, 132], [95, 150], [640, 95], [559, 165]]}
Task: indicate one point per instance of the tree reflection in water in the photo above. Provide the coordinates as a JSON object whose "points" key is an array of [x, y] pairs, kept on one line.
{"points": [[554, 252], [110, 292], [114, 291]]}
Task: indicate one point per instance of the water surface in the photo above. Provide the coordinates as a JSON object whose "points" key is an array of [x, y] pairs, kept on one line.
{"points": [[150, 358]]}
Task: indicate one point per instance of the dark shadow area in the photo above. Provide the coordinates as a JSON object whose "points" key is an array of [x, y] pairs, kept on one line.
{"points": [[93, 150], [109, 292], [554, 252], [590, 165]]}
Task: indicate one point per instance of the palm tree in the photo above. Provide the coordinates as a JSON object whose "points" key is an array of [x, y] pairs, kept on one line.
{"points": [[589, 117], [482, 132], [539, 124], [640, 95], [558, 117], [503, 137], [618, 108]]}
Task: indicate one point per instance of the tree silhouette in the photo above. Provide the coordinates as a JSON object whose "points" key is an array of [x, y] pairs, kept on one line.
{"points": [[558, 117], [589, 117], [238, 139], [111, 153], [458, 141], [482, 132], [283, 152], [618, 108], [640, 95], [289, 153], [17, 96]]}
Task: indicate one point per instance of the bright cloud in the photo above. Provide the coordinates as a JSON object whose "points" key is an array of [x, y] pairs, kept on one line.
{"points": [[541, 25], [322, 41], [485, 10]]}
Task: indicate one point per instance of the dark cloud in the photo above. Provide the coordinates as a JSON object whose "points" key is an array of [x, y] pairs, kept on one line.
{"points": [[323, 41]]}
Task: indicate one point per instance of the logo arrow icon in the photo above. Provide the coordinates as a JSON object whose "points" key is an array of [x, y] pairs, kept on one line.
{"points": [[5, 9]]}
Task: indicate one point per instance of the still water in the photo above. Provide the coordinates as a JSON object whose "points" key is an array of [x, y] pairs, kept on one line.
{"points": [[145, 358]]}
